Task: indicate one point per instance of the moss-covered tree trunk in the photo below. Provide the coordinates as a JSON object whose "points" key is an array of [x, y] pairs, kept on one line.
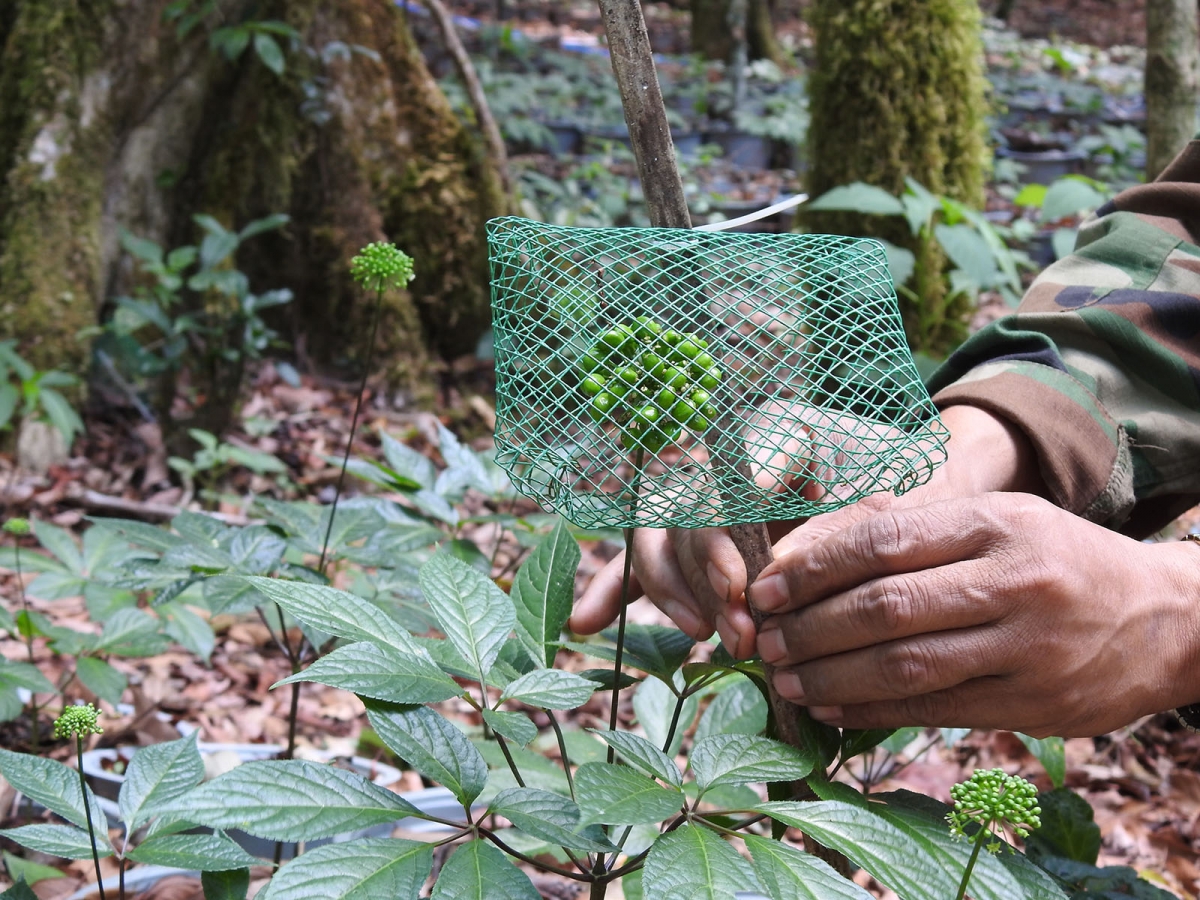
{"points": [[109, 119], [1172, 59], [897, 91]]}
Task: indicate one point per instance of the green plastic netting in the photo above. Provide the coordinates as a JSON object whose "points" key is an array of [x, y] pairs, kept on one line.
{"points": [[658, 377]]}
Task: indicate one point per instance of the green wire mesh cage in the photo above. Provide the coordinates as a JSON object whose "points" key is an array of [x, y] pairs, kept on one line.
{"points": [[656, 377]]}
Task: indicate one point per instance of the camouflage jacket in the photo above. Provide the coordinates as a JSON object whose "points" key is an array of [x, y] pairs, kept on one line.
{"points": [[1100, 364]]}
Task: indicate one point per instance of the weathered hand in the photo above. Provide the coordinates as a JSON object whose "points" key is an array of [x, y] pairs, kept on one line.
{"points": [[997, 611]]}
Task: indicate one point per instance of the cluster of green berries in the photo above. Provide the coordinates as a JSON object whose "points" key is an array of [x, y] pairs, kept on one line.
{"points": [[77, 722], [992, 797], [379, 266], [17, 526], [651, 381]]}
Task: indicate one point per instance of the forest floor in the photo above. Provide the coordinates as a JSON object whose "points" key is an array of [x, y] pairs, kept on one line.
{"points": [[1143, 781]]}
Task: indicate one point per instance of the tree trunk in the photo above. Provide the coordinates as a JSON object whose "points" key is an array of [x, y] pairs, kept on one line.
{"points": [[711, 37], [897, 91], [100, 131], [1172, 61]]}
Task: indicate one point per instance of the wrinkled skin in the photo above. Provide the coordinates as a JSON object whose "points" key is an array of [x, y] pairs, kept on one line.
{"points": [[968, 602]]}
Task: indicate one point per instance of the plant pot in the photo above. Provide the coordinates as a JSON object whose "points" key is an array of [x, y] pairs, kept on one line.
{"points": [[1046, 166], [567, 139], [746, 151]]}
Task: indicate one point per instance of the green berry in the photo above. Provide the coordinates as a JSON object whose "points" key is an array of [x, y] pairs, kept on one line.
{"points": [[591, 360], [699, 398], [702, 361], [708, 411], [697, 424], [613, 338], [602, 406], [665, 398], [674, 378], [683, 412], [710, 379], [592, 385], [670, 337], [17, 526], [646, 328], [688, 348], [629, 375], [653, 364], [646, 416]]}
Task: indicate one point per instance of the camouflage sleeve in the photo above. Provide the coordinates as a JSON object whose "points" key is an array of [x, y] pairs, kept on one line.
{"points": [[1100, 364]]}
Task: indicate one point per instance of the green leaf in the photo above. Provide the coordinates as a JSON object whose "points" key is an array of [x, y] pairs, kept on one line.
{"points": [[101, 679], [58, 840], [190, 631], [1063, 241], [870, 842], [19, 891], [1068, 197], [26, 675], [656, 649], [336, 612], [269, 52], [898, 740], [654, 704], [232, 884], [515, 726], [411, 469], [157, 774], [617, 795], [367, 869], [287, 800], [267, 223], [1068, 829], [543, 591], [379, 671], [61, 415], [1051, 753], [970, 253], [1031, 195], [551, 689], [693, 862], [464, 468], [551, 817], [59, 542], [432, 746], [790, 874], [206, 852], [139, 533], [473, 613], [56, 787], [739, 708], [478, 871], [859, 198], [132, 632], [642, 755], [8, 402], [27, 869], [951, 736], [901, 262], [7, 622], [631, 886], [746, 759]]}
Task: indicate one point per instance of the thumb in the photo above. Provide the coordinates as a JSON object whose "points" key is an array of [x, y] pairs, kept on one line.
{"points": [[601, 602]]}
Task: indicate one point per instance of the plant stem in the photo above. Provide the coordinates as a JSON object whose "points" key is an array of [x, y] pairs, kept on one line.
{"points": [[512, 763], [979, 840], [562, 750], [635, 487], [87, 811], [34, 731]]}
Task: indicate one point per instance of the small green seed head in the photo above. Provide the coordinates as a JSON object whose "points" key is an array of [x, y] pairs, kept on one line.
{"points": [[993, 798], [77, 722], [17, 526], [380, 266]]}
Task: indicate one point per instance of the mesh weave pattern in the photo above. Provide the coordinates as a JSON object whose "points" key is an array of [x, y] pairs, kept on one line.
{"points": [[670, 378]]}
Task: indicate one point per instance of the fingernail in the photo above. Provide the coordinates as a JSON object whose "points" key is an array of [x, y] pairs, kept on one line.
{"points": [[788, 684], [683, 617], [830, 715], [719, 582], [728, 636], [770, 593], [771, 646]]}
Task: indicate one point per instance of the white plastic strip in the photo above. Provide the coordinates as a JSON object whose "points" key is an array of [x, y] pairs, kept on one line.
{"points": [[784, 204]]}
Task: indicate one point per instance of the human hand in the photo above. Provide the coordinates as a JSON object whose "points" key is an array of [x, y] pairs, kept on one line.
{"points": [[697, 577], [999, 611]]}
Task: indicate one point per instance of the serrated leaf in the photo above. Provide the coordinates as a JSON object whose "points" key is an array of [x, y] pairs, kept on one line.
{"points": [[1068, 828], [738, 709], [59, 542], [642, 755], [432, 746], [141, 534], [515, 726], [790, 874], [870, 842], [693, 861], [656, 649], [287, 800], [55, 786], [66, 841], [617, 795], [543, 592], [157, 774], [1051, 753], [478, 871], [232, 884], [26, 675], [101, 679], [474, 614], [381, 672], [551, 689], [970, 253], [551, 817], [367, 869], [206, 852], [858, 197], [467, 468], [746, 759], [411, 469], [1068, 197], [654, 704], [190, 630], [336, 612], [31, 871], [132, 632]]}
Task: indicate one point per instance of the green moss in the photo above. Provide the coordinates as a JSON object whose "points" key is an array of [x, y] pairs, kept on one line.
{"points": [[896, 91]]}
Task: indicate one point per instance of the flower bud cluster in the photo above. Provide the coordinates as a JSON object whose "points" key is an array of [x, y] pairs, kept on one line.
{"points": [[993, 797], [379, 266], [78, 721], [651, 381]]}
